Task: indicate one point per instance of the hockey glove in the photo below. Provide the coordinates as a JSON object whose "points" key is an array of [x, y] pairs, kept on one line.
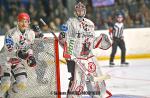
{"points": [[37, 30], [22, 54], [31, 61], [38, 35], [41, 35]]}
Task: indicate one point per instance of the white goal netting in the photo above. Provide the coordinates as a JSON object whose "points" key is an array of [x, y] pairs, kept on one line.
{"points": [[47, 57]]}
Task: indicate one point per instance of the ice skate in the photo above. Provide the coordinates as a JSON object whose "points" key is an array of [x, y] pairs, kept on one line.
{"points": [[111, 64], [7, 95], [124, 64]]}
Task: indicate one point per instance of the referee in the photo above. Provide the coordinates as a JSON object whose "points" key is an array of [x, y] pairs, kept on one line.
{"points": [[116, 33]]}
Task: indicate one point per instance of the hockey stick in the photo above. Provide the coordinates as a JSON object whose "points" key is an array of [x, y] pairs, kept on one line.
{"points": [[43, 22]]}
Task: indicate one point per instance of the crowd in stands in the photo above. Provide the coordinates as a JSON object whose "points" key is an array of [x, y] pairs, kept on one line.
{"points": [[55, 13], [136, 13]]}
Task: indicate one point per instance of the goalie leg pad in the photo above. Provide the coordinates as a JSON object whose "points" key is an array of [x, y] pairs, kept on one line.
{"points": [[98, 87], [77, 85]]}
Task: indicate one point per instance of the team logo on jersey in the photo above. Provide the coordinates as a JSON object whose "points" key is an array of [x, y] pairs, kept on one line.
{"points": [[9, 43], [9, 40], [85, 48], [63, 28]]}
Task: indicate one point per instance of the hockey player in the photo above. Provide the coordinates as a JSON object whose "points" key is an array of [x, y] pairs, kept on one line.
{"points": [[17, 51], [78, 40], [41, 64], [116, 33]]}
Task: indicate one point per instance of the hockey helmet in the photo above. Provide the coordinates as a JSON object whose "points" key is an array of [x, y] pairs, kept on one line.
{"points": [[22, 16], [120, 17], [23, 21], [80, 9]]}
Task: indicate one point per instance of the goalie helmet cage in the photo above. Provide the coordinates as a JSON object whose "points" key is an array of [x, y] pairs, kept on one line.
{"points": [[47, 51]]}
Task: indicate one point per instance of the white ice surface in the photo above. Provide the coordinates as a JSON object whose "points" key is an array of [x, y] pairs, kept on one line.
{"points": [[131, 80]]}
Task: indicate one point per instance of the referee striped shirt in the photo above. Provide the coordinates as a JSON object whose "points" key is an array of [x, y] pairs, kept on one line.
{"points": [[118, 30]]}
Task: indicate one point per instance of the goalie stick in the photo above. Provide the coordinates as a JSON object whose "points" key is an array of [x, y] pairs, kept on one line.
{"points": [[101, 78]]}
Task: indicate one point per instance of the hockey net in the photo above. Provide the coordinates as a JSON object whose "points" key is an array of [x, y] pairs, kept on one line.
{"points": [[45, 50]]}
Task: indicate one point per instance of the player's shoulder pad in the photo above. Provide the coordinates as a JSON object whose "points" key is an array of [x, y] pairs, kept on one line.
{"points": [[11, 32], [89, 21], [71, 20], [89, 24], [31, 31]]}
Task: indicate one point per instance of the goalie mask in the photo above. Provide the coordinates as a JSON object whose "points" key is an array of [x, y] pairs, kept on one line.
{"points": [[80, 10], [23, 21]]}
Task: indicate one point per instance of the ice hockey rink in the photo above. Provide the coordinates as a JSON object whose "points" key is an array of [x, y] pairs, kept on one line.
{"points": [[126, 82]]}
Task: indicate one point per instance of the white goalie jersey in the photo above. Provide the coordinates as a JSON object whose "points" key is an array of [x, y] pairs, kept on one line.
{"points": [[80, 38]]}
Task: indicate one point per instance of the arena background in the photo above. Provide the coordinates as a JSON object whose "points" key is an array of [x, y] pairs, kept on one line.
{"points": [[101, 12]]}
